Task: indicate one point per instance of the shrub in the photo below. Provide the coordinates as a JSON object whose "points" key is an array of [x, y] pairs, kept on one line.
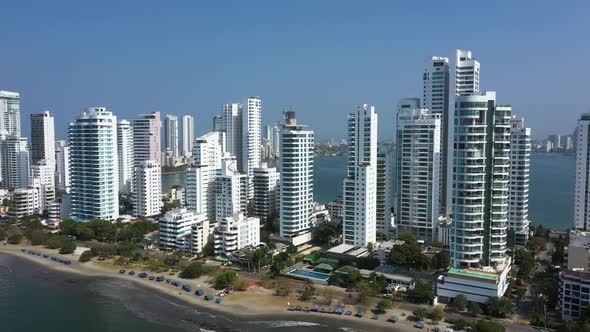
{"points": [[192, 271], [488, 326], [241, 284], [86, 256], [225, 279], [14, 237], [383, 306], [67, 247]]}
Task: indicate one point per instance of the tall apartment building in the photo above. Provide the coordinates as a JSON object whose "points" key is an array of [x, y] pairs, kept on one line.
{"points": [[147, 193], [208, 152], [171, 135], [231, 190], [384, 194], [232, 125], [62, 166], [14, 162], [296, 189], [418, 170], [43, 138], [125, 155], [360, 184], [436, 99], [217, 123], [42, 179], [234, 233], [9, 113], [94, 170], [266, 185], [188, 135], [518, 194], [481, 176], [251, 138], [582, 199], [146, 138], [466, 74], [176, 229]]}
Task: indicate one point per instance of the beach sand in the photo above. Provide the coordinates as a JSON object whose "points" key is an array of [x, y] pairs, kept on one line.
{"points": [[254, 303]]}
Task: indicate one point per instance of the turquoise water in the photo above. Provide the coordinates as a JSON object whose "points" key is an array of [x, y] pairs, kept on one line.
{"points": [[310, 274], [551, 194]]}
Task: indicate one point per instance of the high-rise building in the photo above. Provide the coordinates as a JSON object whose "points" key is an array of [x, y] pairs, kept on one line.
{"points": [[384, 193], [466, 73], [231, 196], [556, 141], [296, 189], [436, 100], [236, 232], [217, 123], [360, 184], [43, 138], [418, 170], [147, 193], [481, 176], [146, 138], [176, 229], [9, 113], [232, 125], [171, 135], [251, 139], [266, 185], [125, 155], [188, 135], [42, 179], [582, 199], [62, 165], [518, 194], [208, 152], [14, 162], [94, 170], [569, 143]]}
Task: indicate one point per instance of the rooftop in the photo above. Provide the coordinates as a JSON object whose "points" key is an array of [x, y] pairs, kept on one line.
{"points": [[473, 274]]}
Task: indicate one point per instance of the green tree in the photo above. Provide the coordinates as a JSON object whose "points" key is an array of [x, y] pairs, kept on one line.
{"points": [[383, 306], [68, 227], [225, 279], [460, 302], [436, 314], [67, 247], [488, 326], [499, 307], [422, 292], [419, 313], [15, 237], [55, 241], [3, 234], [474, 308], [441, 260], [326, 232], [38, 237], [525, 262], [192, 271], [308, 292], [536, 244], [86, 256]]}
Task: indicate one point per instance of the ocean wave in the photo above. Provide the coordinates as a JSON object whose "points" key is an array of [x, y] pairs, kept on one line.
{"points": [[205, 330], [285, 323], [348, 329]]}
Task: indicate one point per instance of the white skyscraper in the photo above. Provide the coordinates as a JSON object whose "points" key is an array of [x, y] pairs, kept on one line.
{"points": [[582, 200], [9, 113], [146, 138], [171, 135], [266, 185], [147, 193], [232, 125], [518, 194], [384, 193], [218, 123], [125, 157], [467, 73], [43, 138], [62, 166], [481, 177], [251, 138], [296, 189], [360, 184], [14, 162], [42, 179], [208, 151], [188, 135], [231, 187], [418, 170], [94, 170]]}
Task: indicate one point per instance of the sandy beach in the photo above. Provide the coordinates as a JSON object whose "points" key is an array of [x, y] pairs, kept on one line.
{"points": [[255, 302]]}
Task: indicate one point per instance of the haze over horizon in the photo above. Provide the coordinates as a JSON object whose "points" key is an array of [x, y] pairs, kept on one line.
{"points": [[323, 59]]}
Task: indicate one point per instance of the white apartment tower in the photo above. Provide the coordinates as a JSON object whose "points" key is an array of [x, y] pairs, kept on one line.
{"points": [[218, 123], [43, 138], [171, 135], [467, 73], [9, 113], [232, 125], [14, 162], [62, 166], [518, 194], [236, 232], [231, 196], [147, 193], [296, 189], [582, 199], [266, 185], [384, 192], [480, 181], [418, 173], [146, 138], [125, 155], [188, 135], [251, 138], [94, 170], [360, 184]]}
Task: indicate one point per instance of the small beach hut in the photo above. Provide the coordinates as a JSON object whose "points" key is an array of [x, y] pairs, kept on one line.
{"points": [[200, 292], [209, 297]]}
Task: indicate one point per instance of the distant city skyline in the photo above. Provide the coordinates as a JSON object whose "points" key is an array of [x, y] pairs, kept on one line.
{"points": [[135, 58]]}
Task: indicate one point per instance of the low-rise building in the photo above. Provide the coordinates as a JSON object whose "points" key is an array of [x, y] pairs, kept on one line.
{"points": [[176, 228], [335, 209], [476, 284], [234, 233], [574, 293], [25, 202], [577, 253]]}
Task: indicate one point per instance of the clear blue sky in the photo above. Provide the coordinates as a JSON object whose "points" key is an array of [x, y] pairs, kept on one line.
{"points": [[320, 57]]}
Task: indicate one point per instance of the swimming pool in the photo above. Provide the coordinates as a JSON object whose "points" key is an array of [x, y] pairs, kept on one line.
{"points": [[310, 274]]}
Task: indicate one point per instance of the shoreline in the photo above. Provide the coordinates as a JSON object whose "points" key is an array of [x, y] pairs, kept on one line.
{"points": [[256, 303]]}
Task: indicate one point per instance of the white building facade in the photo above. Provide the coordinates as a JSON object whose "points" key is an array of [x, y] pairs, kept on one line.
{"points": [[125, 155], [234, 233], [582, 199], [171, 136], [62, 163], [147, 193], [9, 113], [266, 184], [146, 138], [176, 228], [251, 138], [43, 138], [188, 135], [14, 162], [518, 194], [230, 190]]}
